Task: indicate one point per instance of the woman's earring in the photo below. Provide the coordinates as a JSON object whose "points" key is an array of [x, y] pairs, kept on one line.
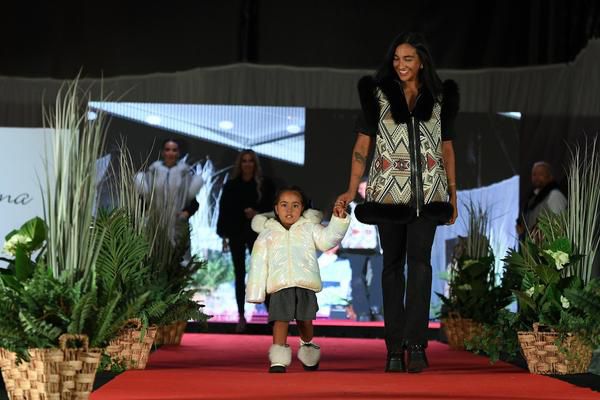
{"points": [[421, 66]]}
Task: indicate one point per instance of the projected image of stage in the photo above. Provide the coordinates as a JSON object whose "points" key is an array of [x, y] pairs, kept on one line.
{"points": [[311, 148]]}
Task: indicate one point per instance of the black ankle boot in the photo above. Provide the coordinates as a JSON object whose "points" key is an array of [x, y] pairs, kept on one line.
{"points": [[395, 362], [416, 358]]}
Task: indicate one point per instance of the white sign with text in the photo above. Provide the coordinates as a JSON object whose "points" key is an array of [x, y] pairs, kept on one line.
{"points": [[22, 174]]}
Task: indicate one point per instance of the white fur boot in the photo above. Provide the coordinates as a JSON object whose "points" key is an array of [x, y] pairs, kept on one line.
{"points": [[309, 355], [280, 357]]}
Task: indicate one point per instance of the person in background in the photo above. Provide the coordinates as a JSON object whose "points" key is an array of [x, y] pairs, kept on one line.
{"points": [[545, 196], [170, 186], [246, 194], [408, 118], [361, 248], [284, 266]]}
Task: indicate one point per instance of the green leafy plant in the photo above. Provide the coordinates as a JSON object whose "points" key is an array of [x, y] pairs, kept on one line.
{"points": [[550, 292], [583, 318], [581, 220], [498, 338], [70, 191], [474, 290], [168, 242], [545, 266], [218, 269], [22, 243]]}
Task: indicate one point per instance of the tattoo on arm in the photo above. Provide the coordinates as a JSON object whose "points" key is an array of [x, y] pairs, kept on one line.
{"points": [[360, 158]]}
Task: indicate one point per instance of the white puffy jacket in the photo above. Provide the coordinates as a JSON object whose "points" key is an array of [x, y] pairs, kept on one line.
{"points": [[283, 258]]}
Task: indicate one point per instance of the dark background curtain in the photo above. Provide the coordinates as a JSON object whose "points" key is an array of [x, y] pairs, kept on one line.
{"points": [[49, 39]]}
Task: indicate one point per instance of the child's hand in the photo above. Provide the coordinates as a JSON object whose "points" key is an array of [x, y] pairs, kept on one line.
{"points": [[339, 211]]}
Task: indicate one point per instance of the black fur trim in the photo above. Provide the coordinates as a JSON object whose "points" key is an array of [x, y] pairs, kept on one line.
{"points": [[451, 100], [368, 102], [376, 213], [393, 91], [424, 107], [438, 211]]}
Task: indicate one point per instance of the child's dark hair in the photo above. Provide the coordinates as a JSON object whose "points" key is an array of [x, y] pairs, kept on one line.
{"points": [[292, 188]]}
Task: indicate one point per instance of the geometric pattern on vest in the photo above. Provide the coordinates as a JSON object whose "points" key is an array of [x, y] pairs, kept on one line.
{"points": [[389, 176]]}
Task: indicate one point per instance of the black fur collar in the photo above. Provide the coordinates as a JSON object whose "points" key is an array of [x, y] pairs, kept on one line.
{"points": [[392, 89]]}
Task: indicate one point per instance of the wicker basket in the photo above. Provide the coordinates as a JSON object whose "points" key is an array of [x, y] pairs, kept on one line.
{"points": [[129, 348], [51, 374], [170, 334], [459, 329], [546, 354]]}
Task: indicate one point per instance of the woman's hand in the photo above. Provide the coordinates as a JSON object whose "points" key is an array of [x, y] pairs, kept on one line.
{"points": [[339, 210], [454, 211], [344, 199]]}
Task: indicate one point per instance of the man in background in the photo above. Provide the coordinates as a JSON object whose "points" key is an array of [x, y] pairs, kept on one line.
{"points": [[545, 197]]}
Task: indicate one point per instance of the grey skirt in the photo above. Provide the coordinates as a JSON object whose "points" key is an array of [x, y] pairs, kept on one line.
{"points": [[293, 304]]}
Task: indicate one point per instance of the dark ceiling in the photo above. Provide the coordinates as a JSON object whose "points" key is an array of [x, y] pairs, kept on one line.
{"points": [[129, 38]]}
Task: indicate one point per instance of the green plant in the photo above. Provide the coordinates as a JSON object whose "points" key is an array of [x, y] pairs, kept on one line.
{"points": [[22, 243], [35, 310], [218, 269], [581, 219], [168, 240], [584, 315], [498, 338], [545, 268], [474, 291], [70, 187]]}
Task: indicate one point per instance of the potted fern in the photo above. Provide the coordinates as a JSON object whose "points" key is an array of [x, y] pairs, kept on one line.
{"points": [[475, 296], [556, 325], [46, 301], [170, 303]]}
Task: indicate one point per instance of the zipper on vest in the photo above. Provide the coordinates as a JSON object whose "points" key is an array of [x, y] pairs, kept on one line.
{"points": [[417, 169]]}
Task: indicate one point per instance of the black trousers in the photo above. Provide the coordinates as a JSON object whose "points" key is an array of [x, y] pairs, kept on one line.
{"points": [[406, 302], [237, 247]]}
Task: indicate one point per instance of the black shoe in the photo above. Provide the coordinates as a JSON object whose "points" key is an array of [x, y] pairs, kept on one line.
{"points": [[363, 317], [395, 362], [277, 369], [416, 359], [377, 317]]}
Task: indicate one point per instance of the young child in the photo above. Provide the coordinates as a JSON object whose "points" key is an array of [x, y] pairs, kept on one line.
{"points": [[284, 265]]}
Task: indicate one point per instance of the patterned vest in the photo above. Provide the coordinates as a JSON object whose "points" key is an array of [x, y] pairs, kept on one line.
{"points": [[407, 166]]}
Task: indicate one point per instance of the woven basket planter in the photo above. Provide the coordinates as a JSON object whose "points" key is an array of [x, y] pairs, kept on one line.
{"points": [[170, 334], [51, 374], [129, 348], [459, 329], [545, 353]]}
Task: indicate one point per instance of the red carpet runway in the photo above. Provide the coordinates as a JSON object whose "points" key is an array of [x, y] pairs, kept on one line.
{"points": [[212, 366]]}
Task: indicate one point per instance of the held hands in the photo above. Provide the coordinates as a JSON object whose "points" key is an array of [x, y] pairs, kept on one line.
{"points": [[345, 199], [339, 210], [342, 202]]}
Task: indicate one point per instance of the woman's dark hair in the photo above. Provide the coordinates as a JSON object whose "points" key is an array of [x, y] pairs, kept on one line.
{"points": [[292, 188], [427, 76], [167, 140]]}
